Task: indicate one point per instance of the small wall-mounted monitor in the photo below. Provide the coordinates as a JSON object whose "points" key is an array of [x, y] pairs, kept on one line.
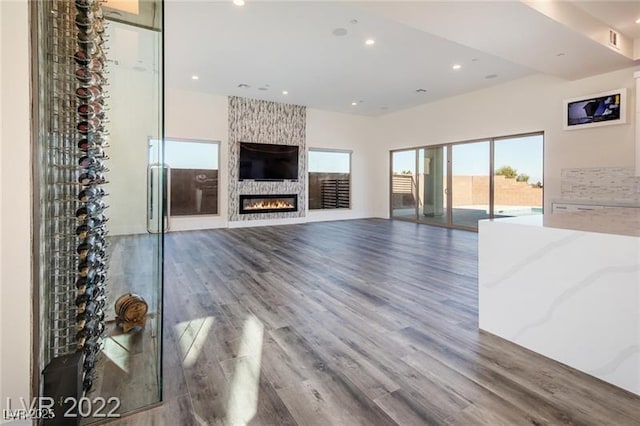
{"points": [[263, 161], [600, 109]]}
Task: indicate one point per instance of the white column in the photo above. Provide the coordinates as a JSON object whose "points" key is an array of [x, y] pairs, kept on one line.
{"points": [[15, 216]]}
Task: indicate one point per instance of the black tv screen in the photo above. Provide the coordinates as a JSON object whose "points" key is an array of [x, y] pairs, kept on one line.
{"points": [[262, 161]]}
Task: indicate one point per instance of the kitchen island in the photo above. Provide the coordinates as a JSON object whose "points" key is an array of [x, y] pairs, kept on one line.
{"points": [[568, 287]]}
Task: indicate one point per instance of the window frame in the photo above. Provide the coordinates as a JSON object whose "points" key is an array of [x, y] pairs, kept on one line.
{"points": [[337, 151], [218, 144]]}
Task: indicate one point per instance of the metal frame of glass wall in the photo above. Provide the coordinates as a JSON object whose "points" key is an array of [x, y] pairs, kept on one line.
{"points": [[449, 159]]}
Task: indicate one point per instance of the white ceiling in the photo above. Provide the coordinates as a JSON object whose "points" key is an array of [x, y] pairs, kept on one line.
{"points": [[276, 46], [619, 15]]}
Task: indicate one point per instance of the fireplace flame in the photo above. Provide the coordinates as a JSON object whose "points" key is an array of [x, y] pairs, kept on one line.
{"points": [[269, 204]]}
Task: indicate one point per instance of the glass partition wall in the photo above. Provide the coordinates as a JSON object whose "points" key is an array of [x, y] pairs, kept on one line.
{"points": [[98, 98], [458, 184]]}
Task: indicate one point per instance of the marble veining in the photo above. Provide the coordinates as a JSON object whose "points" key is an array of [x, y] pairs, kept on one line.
{"points": [[547, 250], [566, 286], [614, 364], [592, 279]]}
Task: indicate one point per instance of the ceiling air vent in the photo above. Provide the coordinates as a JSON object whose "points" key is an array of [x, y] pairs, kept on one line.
{"points": [[614, 39]]}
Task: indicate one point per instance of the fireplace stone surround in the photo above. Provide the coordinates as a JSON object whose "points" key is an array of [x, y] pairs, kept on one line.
{"points": [[258, 121]]}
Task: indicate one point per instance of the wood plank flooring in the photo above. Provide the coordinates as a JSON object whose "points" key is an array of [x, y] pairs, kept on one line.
{"points": [[127, 367], [365, 322]]}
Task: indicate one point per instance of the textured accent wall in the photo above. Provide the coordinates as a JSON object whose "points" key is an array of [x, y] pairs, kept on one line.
{"points": [[252, 120], [600, 183]]}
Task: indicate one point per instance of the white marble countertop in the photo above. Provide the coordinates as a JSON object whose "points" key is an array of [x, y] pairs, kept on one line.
{"points": [[607, 203], [605, 221], [566, 286]]}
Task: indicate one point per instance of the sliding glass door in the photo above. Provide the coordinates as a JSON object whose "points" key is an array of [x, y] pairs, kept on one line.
{"points": [[432, 185], [458, 184], [470, 182], [404, 200], [518, 176]]}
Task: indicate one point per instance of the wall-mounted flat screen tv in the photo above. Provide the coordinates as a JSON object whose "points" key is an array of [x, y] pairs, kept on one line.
{"points": [[595, 110], [262, 161]]}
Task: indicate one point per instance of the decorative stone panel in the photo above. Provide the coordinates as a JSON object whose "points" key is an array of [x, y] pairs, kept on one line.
{"points": [[600, 183], [252, 120]]}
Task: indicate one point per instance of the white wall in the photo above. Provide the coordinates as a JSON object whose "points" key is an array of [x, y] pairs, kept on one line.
{"points": [[15, 202], [526, 105], [2, 392], [368, 173], [196, 115], [134, 117]]}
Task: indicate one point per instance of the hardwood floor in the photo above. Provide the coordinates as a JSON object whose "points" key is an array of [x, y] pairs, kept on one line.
{"points": [[127, 367], [366, 322]]}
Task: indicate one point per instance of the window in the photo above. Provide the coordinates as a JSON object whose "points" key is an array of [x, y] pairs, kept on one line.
{"points": [[329, 179], [458, 184], [193, 177]]}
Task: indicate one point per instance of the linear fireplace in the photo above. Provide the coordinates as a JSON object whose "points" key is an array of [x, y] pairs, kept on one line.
{"points": [[250, 204]]}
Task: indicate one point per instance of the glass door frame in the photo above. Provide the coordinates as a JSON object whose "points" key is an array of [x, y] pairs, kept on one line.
{"points": [[449, 182], [450, 191], [416, 168]]}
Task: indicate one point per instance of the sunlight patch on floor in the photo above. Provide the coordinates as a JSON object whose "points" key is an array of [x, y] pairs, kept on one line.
{"points": [[194, 334], [115, 352], [245, 383]]}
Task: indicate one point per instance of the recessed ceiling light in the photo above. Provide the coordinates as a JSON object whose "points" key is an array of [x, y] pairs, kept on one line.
{"points": [[238, 2], [456, 66], [194, 77], [284, 92], [339, 32], [354, 103], [369, 42], [638, 21]]}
